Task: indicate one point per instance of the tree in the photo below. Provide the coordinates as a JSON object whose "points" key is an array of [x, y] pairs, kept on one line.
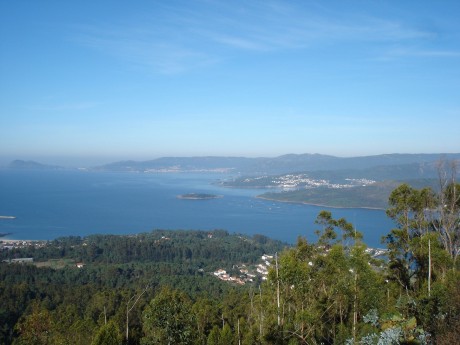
{"points": [[408, 209], [446, 217], [70, 327], [226, 336], [168, 319], [424, 218], [325, 288], [108, 334], [214, 336], [35, 328], [206, 316], [423, 250], [328, 235]]}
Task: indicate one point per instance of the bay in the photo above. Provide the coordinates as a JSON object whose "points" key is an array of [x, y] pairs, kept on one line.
{"points": [[51, 204]]}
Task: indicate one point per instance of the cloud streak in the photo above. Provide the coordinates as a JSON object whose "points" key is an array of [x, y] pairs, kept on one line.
{"points": [[413, 52], [175, 40], [64, 107]]}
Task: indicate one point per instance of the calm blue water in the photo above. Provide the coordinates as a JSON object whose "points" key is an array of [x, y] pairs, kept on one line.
{"points": [[50, 204]]}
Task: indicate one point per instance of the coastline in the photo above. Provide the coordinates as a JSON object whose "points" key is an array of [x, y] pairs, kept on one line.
{"points": [[10, 241], [10, 244], [321, 205]]}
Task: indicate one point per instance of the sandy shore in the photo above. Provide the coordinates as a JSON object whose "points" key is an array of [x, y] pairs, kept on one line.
{"points": [[12, 242]]}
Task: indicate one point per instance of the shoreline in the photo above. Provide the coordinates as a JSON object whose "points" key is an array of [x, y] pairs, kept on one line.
{"points": [[11, 242], [321, 205], [8, 240]]}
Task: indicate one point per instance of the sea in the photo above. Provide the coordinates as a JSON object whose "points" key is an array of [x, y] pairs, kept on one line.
{"points": [[52, 204]]}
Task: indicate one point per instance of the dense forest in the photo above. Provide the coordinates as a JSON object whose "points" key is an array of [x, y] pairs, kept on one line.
{"points": [[159, 287]]}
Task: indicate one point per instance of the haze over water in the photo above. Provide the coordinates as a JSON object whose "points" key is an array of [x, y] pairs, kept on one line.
{"points": [[51, 204]]}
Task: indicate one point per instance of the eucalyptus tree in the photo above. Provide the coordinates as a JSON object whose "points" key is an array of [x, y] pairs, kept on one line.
{"points": [[168, 319], [108, 334], [423, 252], [407, 208], [35, 328], [425, 219], [325, 287], [206, 315], [446, 217], [214, 336]]}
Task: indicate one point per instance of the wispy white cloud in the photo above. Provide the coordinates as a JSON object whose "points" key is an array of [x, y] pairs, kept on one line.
{"points": [[415, 52], [176, 39], [63, 106], [142, 48], [273, 25]]}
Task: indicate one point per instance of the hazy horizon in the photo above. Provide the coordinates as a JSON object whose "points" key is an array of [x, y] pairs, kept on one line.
{"points": [[76, 162], [97, 82]]}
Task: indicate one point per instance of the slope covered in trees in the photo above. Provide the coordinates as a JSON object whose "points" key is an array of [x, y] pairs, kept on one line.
{"points": [[157, 288]]}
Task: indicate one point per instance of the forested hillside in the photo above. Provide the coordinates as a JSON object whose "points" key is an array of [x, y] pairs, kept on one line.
{"points": [[70, 302], [160, 287]]}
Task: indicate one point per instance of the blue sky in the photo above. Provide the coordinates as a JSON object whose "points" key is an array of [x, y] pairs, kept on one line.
{"points": [[98, 81]]}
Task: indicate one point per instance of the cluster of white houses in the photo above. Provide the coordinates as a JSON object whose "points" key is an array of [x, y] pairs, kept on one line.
{"points": [[298, 181], [11, 244], [295, 181], [246, 275], [223, 275]]}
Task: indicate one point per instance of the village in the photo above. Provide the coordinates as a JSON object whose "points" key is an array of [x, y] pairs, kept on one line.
{"points": [[297, 181], [247, 274], [11, 244]]}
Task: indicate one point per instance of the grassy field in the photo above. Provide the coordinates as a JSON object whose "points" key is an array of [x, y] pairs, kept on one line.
{"points": [[56, 263]]}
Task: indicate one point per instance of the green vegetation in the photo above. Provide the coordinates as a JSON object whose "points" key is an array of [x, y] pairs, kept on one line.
{"points": [[349, 188], [56, 263], [372, 196], [52, 299], [157, 288]]}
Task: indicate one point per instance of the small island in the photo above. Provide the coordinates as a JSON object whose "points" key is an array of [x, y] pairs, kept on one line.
{"points": [[198, 196]]}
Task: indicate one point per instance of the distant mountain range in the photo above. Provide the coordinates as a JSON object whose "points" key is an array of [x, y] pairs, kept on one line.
{"points": [[385, 166], [32, 165], [405, 165]]}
